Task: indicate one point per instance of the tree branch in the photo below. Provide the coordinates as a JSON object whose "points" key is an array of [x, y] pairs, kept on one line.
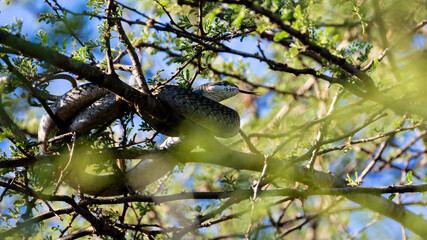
{"points": [[163, 118]]}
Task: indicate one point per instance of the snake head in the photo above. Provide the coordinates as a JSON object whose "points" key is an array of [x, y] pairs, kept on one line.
{"points": [[219, 91]]}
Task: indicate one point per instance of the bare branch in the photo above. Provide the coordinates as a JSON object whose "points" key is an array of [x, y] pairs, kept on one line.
{"points": [[136, 64]]}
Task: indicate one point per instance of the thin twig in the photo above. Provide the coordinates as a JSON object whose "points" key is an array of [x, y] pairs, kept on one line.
{"points": [[110, 63], [136, 64], [64, 172], [248, 142], [202, 32], [182, 67], [67, 25], [322, 131], [255, 197]]}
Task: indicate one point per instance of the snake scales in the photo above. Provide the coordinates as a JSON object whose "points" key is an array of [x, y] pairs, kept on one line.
{"points": [[88, 106]]}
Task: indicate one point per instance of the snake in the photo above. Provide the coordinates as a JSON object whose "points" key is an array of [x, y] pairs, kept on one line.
{"points": [[87, 106]]}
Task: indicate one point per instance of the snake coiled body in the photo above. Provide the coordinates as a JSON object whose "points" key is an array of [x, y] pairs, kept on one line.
{"points": [[80, 110], [219, 119], [87, 106]]}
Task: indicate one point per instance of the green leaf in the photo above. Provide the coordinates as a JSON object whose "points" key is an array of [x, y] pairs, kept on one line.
{"points": [[280, 35], [374, 64], [356, 182], [392, 196], [409, 178], [64, 44], [239, 19], [212, 14], [298, 14], [42, 37]]}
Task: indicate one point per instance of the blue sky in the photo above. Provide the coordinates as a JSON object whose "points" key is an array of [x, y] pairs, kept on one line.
{"points": [[28, 10]]}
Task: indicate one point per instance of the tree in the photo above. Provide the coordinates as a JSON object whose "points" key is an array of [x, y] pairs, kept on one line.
{"points": [[332, 147]]}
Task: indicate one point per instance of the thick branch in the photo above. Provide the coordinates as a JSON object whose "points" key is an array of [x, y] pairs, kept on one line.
{"points": [[253, 162], [34, 220], [305, 39], [163, 117]]}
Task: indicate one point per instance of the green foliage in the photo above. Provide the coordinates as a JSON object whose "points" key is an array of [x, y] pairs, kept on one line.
{"points": [[392, 196], [49, 18], [143, 126], [96, 4], [353, 182], [281, 35], [360, 12], [41, 36], [408, 178], [14, 27], [295, 119], [143, 209], [229, 182]]}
